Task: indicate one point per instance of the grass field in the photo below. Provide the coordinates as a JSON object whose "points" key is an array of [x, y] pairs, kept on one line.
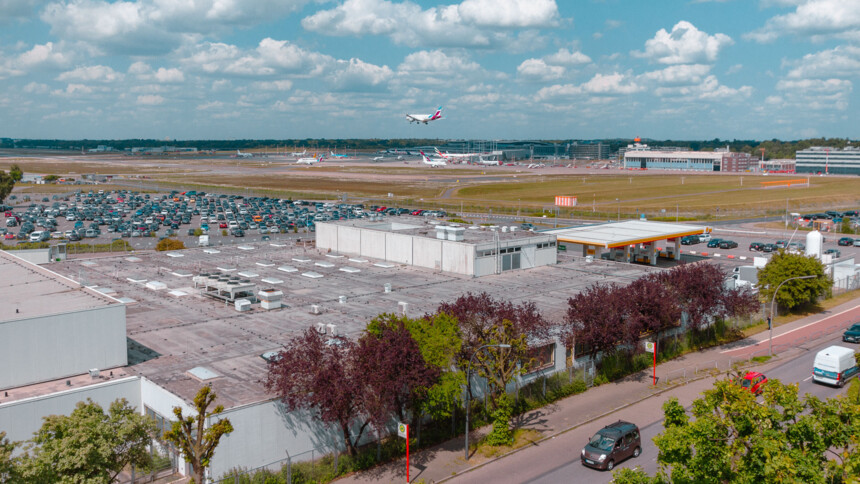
{"points": [[692, 194]]}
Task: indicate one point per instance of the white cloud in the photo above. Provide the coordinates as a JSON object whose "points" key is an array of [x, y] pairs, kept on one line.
{"points": [[48, 55], [91, 73], [73, 90], [436, 67], [538, 70], [35, 88], [156, 26], [212, 105], [564, 57], [281, 85], [735, 69], [150, 100], [817, 94], [169, 75], [816, 19], [842, 61], [356, 75], [472, 23], [679, 74], [685, 44], [270, 57], [17, 9], [614, 84]]}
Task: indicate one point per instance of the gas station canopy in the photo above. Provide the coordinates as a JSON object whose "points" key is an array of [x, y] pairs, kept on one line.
{"points": [[621, 234]]}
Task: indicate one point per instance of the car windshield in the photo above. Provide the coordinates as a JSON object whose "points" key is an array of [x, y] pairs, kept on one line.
{"points": [[602, 442], [745, 383]]}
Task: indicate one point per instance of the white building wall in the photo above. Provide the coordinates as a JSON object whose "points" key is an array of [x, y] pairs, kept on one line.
{"points": [[373, 244], [399, 248], [51, 347], [348, 240], [327, 237], [458, 258], [543, 257], [21, 418], [427, 253], [484, 266], [265, 432]]}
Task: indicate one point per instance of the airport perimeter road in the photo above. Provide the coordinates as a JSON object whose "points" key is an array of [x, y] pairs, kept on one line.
{"points": [[557, 459]]}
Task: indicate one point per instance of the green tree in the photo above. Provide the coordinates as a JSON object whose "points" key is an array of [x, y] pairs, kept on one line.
{"points": [[8, 467], [784, 265], [730, 437], [89, 445], [7, 183], [191, 436], [51, 178], [438, 338], [16, 173], [169, 244]]}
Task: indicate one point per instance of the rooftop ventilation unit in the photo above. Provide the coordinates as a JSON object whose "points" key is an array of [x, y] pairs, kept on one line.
{"points": [[505, 228], [94, 372], [513, 229], [242, 305], [315, 309], [456, 234], [441, 232], [403, 307], [387, 287], [332, 329], [341, 299], [321, 328]]}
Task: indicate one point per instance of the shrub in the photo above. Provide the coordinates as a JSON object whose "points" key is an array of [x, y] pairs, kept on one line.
{"points": [[198, 232], [224, 232], [169, 244], [501, 433]]}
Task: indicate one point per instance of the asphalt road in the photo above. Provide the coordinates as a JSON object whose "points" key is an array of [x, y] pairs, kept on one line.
{"points": [[557, 460]]}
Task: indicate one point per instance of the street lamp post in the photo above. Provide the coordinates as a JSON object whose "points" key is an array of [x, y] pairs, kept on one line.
{"points": [[772, 307], [619, 209], [469, 388]]}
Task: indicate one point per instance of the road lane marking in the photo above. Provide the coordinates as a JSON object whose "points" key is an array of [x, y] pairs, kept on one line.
{"points": [[793, 330], [808, 378]]}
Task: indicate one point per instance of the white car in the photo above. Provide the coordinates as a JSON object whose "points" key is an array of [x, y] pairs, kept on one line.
{"points": [[704, 237]]}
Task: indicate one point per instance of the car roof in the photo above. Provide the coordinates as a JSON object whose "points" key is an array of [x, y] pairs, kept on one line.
{"points": [[618, 428], [753, 374]]}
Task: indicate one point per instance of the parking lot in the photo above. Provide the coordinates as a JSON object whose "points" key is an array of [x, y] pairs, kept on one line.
{"points": [[143, 219]]}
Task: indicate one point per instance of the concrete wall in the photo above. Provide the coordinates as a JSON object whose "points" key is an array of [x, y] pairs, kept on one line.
{"points": [[399, 248], [373, 244], [35, 256], [428, 252], [349, 240], [19, 419], [46, 348], [327, 236], [459, 258]]}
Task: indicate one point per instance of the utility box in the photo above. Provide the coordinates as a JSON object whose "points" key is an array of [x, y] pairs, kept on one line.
{"points": [[270, 298], [242, 305], [203, 241]]}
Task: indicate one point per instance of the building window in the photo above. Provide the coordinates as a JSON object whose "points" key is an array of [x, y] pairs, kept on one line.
{"points": [[541, 357], [161, 424]]}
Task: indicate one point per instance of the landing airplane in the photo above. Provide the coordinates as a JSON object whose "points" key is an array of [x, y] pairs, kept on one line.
{"points": [[433, 161], [482, 161], [333, 155], [425, 118], [239, 154], [309, 161]]}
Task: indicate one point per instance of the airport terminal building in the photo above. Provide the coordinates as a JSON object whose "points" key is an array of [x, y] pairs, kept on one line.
{"points": [[836, 161], [704, 161]]}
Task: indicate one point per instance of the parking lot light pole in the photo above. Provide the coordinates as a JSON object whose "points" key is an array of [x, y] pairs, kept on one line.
{"points": [[772, 307], [469, 387]]}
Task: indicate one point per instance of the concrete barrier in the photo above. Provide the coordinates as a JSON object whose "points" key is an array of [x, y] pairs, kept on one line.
{"points": [[730, 256], [717, 255], [705, 254]]}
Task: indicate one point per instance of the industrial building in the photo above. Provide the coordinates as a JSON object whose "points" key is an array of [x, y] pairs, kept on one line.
{"points": [[589, 151], [818, 159], [474, 251], [154, 327], [642, 157]]}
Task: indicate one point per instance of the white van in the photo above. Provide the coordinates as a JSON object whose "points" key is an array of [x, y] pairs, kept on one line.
{"points": [[36, 236], [834, 365]]}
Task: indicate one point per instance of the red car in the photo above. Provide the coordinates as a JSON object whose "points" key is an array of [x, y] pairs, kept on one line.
{"points": [[753, 381], [417, 212], [222, 225], [9, 236], [381, 209]]}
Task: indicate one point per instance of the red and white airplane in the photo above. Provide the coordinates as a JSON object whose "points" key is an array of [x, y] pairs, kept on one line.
{"points": [[309, 161], [432, 161], [425, 118]]}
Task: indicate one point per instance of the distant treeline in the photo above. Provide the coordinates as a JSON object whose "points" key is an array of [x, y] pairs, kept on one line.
{"points": [[773, 148]]}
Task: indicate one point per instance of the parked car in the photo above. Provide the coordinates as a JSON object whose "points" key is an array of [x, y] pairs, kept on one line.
{"points": [[714, 243], [527, 226], [845, 242], [856, 242], [753, 381], [769, 248], [728, 244], [611, 445], [836, 253], [704, 237], [757, 246], [852, 334]]}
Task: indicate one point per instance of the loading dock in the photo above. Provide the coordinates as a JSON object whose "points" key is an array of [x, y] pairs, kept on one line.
{"points": [[629, 241]]}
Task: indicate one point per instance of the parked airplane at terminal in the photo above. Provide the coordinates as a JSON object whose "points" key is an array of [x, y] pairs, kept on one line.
{"points": [[482, 161], [239, 154], [377, 158], [299, 153], [455, 156], [309, 161], [433, 161], [425, 118], [333, 155]]}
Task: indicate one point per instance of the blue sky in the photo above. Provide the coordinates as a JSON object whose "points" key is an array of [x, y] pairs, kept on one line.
{"points": [[503, 69]]}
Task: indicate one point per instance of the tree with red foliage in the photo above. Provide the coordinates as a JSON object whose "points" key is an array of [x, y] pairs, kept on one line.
{"points": [[739, 302], [323, 376], [395, 372], [649, 306], [595, 319], [484, 320], [698, 291]]}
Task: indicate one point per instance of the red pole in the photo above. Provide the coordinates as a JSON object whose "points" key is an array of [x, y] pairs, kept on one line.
{"points": [[407, 454], [654, 378]]}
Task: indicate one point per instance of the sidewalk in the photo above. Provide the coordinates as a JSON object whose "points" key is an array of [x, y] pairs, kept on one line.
{"points": [[441, 462]]}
